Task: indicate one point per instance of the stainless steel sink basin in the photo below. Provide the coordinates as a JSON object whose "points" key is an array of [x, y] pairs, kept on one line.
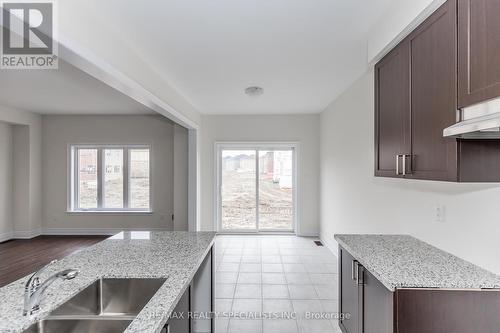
{"points": [[79, 325], [123, 297], [107, 305]]}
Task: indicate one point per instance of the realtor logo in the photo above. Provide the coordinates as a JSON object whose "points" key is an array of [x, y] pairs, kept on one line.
{"points": [[28, 35]]}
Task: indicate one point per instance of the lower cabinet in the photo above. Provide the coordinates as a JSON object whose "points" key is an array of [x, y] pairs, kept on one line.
{"points": [[367, 306], [378, 302], [192, 313], [366, 303], [351, 293]]}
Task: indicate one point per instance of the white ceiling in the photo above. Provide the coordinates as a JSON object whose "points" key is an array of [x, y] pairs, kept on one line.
{"points": [[67, 90], [304, 53]]}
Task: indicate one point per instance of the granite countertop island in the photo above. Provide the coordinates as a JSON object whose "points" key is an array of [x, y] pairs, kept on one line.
{"points": [[175, 256], [402, 261]]}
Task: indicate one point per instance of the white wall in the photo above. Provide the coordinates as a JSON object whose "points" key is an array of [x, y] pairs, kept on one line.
{"points": [[180, 177], [354, 201], [22, 178], [60, 131], [6, 184], [26, 175], [298, 128]]}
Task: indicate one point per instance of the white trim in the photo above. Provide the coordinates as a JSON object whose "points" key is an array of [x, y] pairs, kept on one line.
{"points": [[27, 234], [216, 187], [297, 199], [257, 194], [331, 244], [6, 236], [73, 183], [110, 212], [193, 181], [294, 146], [308, 234]]}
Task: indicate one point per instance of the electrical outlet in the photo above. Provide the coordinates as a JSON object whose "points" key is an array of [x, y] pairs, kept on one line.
{"points": [[440, 213]]}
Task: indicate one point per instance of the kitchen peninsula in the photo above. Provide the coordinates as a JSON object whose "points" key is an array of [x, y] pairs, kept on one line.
{"points": [[182, 259]]}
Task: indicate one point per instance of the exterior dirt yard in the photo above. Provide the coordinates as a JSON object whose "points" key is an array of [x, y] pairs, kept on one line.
{"points": [[238, 202]]}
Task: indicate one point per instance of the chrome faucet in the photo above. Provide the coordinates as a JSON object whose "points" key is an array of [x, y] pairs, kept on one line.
{"points": [[34, 288]]}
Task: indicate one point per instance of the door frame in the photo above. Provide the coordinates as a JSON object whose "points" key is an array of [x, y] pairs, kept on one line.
{"points": [[244, 145]]}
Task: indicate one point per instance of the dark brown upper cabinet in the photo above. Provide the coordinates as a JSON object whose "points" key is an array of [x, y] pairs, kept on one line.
{"points": [[450, 61], [478, 51], [415, 99], [433, 83], [392, 115]]}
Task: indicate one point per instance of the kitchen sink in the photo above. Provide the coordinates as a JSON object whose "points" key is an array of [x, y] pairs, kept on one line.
{"points": [[123, 297], [79, 325], [107, 305]]}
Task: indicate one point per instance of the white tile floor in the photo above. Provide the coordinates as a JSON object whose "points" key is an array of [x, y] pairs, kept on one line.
{"points": [[287, 277]]}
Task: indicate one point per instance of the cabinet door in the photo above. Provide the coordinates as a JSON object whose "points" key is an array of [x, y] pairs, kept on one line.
{"points": [[479, 50], [378, 306], [433, 95], [180, 321], [349, 300], [392, 110]]}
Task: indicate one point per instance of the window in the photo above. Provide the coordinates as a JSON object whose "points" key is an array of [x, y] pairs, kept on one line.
{"points": [[110, 178]]}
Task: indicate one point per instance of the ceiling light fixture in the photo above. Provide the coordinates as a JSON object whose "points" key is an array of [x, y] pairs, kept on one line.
{"points": [[254, 91]]}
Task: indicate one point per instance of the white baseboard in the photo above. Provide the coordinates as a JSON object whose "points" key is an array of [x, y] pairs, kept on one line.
{"points": [[6, 236], [330, 243], [308, 234], [20, 234], [27, 234]]}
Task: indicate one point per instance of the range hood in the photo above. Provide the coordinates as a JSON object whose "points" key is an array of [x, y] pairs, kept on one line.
{"points": [[481, 121]]}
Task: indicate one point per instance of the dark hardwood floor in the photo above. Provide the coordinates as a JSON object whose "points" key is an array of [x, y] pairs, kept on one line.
{"points": [[20, 257]]}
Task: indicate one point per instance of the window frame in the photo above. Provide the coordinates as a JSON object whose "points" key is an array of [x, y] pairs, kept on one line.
{"points": [[74, 183]]}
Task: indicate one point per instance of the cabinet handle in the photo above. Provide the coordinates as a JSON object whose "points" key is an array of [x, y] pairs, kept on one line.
{"points": [[359, 275], [397, 164], [354, 270], [404, 164]]}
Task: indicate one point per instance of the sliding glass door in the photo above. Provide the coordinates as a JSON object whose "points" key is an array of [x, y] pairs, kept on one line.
{"points": [[256, 187], [238, 190], [276, 190]]}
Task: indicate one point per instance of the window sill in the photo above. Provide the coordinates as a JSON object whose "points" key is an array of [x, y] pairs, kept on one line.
{"points": [[110, 212]]}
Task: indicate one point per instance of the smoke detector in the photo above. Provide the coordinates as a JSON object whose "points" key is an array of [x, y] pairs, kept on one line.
{"points": [[254, 91]]}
